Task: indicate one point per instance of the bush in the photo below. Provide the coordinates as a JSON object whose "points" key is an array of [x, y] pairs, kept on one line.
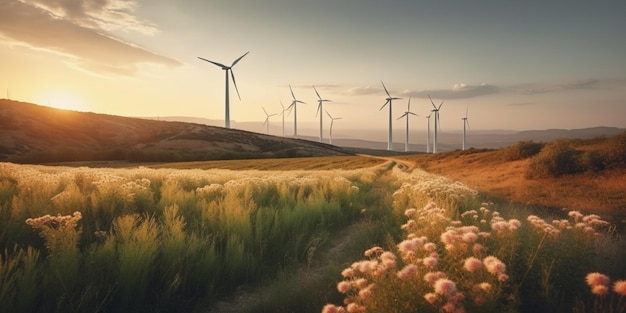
{"points": [[617, 154], [522, 150], [593, 161], [556, 159]]}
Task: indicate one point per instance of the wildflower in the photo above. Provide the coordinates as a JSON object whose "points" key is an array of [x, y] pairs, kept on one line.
{"points": [[596, 279], [361, 283], [372, 251], [366, 293], [354, 308], [430, 261], [494, 265], [430, 297], [445, 287], [348, 272], [449, 307], [410, 212], [429, 246], [502, 277], [343, 286], [478, 248], [620, 287], [599, 290], [407, 272], [469, 237], [472, 264], [432, 277], [331, 308]]}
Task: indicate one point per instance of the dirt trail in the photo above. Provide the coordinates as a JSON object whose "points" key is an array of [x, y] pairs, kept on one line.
{"points": [[249, 297]]}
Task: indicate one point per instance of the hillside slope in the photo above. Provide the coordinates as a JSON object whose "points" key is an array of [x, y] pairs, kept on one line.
{"points": [[35, 134]]}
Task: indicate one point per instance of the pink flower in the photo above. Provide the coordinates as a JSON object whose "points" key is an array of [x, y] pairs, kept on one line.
{"points": [[445, 287], [620, 287], [494, 265], [596, 279], [366, 293], [599, 290], [429, 246], [343, 286], [329, 308], [430, 297], [469, 237], [432, 277], [361, 283], [348, 272], [449, 237], [407, 272], [430, 261], [472, 264], [449, 307]]}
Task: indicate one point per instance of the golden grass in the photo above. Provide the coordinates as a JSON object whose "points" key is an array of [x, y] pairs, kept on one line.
{"points": [[488, 172], [312, 163]]}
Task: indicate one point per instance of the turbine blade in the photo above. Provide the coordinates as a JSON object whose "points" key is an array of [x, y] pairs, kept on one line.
{"points": [[218, 64], [292, 95], [388, 101], [413, 113], [319, 109], [331, 117], [431, 102], [409, 106], [318, 94], [466, 110], [385, 89], [235, 83], [241, 57], [281, 104], [440, 105], [264, 110]]}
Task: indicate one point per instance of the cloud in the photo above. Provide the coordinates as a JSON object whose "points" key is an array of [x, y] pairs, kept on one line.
{"points": [[72, 31], [458, 91], [575, 85], [363, 90]]}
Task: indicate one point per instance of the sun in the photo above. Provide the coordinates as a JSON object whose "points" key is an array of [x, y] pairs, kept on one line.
{"points": [[64, 100]]}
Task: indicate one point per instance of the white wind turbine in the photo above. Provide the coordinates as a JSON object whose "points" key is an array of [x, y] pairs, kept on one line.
{"points": [[436, 110], [294, 105], [267, 120], [319, 112], [389, 99], [226, 70], [332, 120], [465, 123], [282, 113], [428, 135], [406, 115]]}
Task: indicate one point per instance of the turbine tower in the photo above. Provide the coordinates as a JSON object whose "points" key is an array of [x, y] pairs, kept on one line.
{"points": [[406, 115], [332, 120], [282, 113], [389, 99], [465, 123], [226, 70], [436, 110], [319, 112], [267, 120], [428, 135], [294, 105]]}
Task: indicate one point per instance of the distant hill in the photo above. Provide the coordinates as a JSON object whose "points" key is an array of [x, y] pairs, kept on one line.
{"points": [[31, 133]]}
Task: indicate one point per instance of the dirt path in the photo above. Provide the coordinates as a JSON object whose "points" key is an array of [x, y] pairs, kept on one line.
{"points": [[249, 297]]}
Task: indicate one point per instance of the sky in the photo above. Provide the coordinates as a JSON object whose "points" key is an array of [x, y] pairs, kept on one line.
{"points": [[514, 65]]}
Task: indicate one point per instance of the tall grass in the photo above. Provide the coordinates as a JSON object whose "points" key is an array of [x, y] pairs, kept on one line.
{"points": [[455, 258], [146, 240]]}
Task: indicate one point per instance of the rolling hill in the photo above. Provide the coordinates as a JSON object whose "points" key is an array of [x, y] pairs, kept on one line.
{"points": [[30, 133]]}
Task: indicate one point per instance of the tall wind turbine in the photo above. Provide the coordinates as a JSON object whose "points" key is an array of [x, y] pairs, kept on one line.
{"points": [[294, 105], [389, 99], [428, 135], [332, 120], [406, 115], [319, 112], [465, 123], [226, 70], [436, 110], [282, 113], [267, 120]]}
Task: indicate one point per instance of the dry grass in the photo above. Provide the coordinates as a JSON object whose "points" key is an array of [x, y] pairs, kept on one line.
{"points": [[487, 171], [312, 163]]}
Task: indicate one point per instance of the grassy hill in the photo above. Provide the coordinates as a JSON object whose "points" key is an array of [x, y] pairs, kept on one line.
{"points": [[31, 133]]}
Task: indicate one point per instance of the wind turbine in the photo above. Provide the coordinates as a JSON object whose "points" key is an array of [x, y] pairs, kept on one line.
{"points": [[294, 104], [436, 110], [332, 120], [389, 99], [406, 114], [428, 135], [282, 113], [465, 123], [226, 70], [267, 120], [319, 112]]}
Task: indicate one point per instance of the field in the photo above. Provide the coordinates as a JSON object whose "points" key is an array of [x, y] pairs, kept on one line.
{"points": [[329, 234]]}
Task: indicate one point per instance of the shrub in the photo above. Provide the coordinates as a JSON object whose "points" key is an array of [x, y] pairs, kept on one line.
{"points": [[556, 159], [617, 154], [593, 161], [522, 150]]}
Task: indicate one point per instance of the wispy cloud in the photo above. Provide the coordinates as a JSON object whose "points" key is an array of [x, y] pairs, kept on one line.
{"points": [[579, 84], [458, 91], [77, 30]]}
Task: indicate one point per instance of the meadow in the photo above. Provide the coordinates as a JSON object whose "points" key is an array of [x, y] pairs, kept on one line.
{"points": [[80, 239]]}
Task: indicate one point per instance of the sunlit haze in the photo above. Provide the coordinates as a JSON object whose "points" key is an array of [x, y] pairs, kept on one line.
{"points": [[514, 65]]}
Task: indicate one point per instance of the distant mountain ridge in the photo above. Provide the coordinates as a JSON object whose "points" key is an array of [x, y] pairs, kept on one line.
{"points": [[37, 134]]}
